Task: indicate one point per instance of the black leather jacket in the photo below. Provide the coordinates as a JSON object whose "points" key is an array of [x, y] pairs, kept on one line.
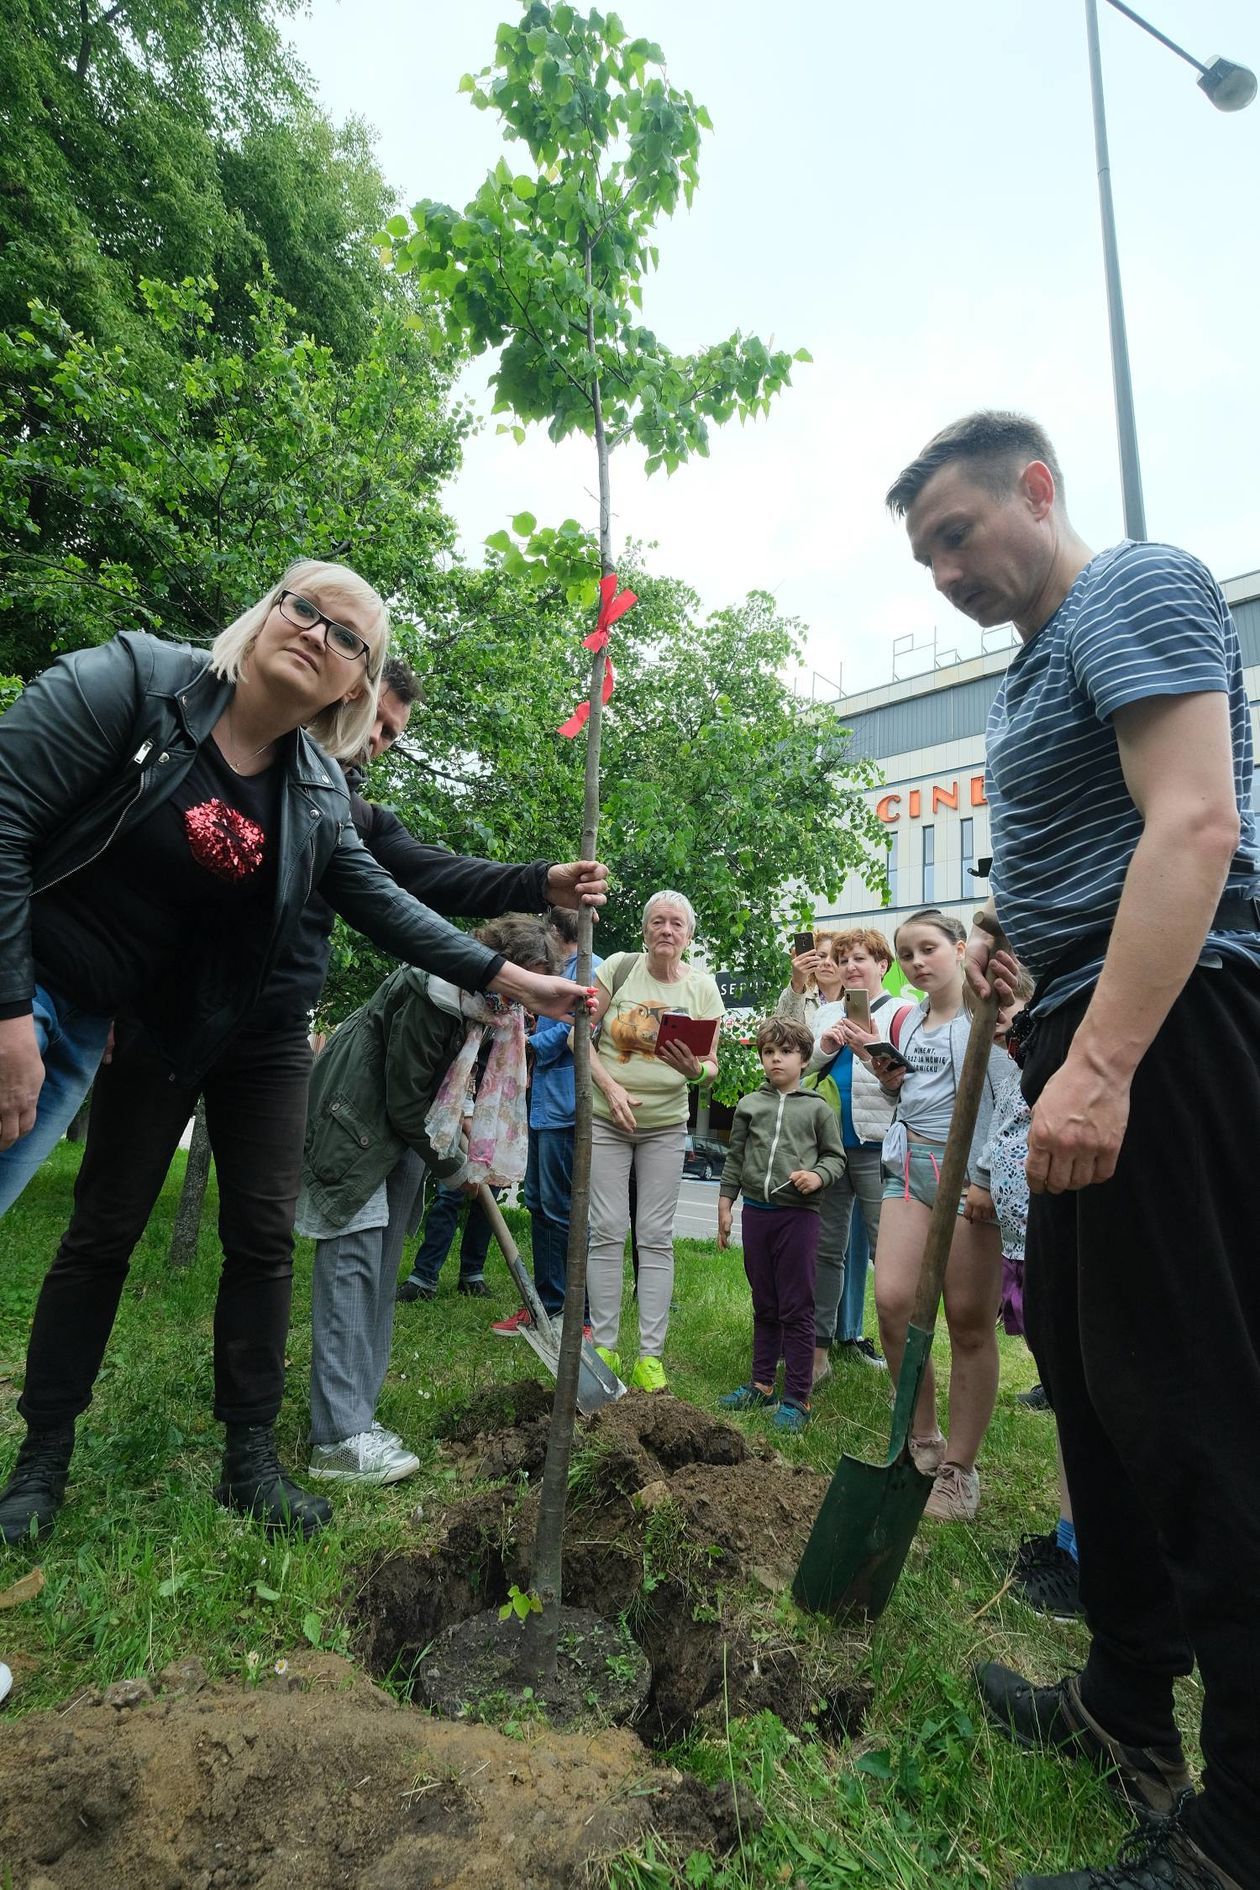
{"points": [[102, 738]]}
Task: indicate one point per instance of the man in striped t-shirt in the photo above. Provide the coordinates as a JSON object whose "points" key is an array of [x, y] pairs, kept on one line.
{"points": [[1125, 874]]}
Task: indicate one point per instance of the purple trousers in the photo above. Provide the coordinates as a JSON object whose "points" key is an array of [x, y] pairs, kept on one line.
{"points": [[780, 1251]]}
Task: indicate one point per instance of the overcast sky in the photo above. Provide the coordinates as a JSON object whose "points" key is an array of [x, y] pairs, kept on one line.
{"points": [[907, 190]]}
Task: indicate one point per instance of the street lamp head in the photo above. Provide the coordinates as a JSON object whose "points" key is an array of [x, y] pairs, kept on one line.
{"points": [[1229, 87]]}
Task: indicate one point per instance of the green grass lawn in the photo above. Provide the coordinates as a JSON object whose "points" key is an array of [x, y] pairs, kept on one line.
{"points": [[144, 1566]]}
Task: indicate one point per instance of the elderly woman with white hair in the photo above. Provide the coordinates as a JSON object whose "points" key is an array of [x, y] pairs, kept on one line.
{"points": [[174, 816], [640, 1124]]}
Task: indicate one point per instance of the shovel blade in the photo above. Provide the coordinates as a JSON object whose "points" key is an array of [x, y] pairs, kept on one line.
{"points": [[863, 1531], [597, 1385], [861, 1538]]}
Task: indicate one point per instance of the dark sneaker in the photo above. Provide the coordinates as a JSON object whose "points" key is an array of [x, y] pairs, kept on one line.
{"points": [[254, 1483], [865, 1351], [747, 1398], [1164, 1857], [1046, 1578], [412, 1288], [474, 1289], [31, 1498], [1149, 1779], [1034, 1399]]}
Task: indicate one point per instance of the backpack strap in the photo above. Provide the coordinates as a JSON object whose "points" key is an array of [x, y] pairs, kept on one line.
{"points": [[897, 1024], [629, 960]]}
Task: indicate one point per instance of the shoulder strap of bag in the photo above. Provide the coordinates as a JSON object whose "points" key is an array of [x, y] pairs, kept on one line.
{"points": [[629, 960], [897, 1024]]}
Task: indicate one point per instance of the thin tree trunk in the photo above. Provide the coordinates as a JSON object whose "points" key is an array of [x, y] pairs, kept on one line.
{"points": [[183, 1248], [548, 1562]]}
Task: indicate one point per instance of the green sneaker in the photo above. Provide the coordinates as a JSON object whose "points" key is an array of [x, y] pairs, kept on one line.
{"points": [[611, 1359], [649, 1374]]}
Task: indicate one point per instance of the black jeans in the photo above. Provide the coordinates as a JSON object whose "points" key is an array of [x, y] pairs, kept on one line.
{"points": [[256, 1115], [1142, 1298]]}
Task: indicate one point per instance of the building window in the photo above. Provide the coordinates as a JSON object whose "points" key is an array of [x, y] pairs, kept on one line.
{"points": [[968, 831], [890, 867], [929, 866]]}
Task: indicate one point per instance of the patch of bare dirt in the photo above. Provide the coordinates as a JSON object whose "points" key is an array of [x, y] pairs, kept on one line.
{"points": [[674, 1521], [318, 1780]]}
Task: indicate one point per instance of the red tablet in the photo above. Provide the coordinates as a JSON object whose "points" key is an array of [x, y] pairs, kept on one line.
{"points": [[698, 1033]]}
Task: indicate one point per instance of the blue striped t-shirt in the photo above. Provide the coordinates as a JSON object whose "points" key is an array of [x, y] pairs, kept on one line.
{"points": [[1141, 620]]}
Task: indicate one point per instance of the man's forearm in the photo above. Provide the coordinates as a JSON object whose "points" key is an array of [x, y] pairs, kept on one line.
{"points": [[1170, 894]]}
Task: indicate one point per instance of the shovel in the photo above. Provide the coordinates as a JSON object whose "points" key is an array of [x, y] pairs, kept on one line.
{"points": [[862, 1534], [597, 1384]]}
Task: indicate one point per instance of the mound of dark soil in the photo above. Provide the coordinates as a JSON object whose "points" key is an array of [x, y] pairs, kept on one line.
{"points": [[675, 1522], [317, 1780]]}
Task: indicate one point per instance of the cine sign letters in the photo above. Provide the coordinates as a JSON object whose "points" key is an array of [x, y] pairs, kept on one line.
{"points": [[888, 807]]}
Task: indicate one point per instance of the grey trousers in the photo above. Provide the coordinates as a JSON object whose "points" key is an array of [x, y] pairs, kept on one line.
{"points": [[657, 1157], [862, 1180], [352, 1313]]}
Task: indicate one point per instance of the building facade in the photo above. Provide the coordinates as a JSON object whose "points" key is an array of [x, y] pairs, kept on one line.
{"points": [[927, 735]]}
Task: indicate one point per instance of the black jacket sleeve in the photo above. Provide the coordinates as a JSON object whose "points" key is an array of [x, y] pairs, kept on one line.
{"points": [[452, 883], [357, 886]]}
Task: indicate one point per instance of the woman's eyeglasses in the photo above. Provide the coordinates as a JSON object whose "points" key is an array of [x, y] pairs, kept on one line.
{"points": [[300, 611]]}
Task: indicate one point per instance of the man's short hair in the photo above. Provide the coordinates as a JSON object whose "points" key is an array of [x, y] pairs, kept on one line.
{"points": [[996, 447], [401, 680], [784, 1033]]}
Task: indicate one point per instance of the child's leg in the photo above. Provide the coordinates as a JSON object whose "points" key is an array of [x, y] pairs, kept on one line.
{"points": [[345, 1284], [760, 1272], [796, 1251], [903, 1228], [973, 1290]]}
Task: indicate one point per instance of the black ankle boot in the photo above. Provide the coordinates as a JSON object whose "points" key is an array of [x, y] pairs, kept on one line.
{"points": [[254, 1483], [33, 1494]]}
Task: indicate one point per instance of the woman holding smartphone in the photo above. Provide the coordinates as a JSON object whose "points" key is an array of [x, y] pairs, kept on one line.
{"points": [[640, 1124], [815, 979], [861, 959]]}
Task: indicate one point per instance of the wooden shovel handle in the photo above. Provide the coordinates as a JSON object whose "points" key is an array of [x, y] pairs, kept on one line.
{"points": [[962, 1127]]}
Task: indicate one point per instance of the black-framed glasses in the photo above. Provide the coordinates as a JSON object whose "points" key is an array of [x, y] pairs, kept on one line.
{"points": [[299, 610]]}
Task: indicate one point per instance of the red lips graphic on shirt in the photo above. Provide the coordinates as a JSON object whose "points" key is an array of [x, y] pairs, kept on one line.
{"points": [[224, 841]]}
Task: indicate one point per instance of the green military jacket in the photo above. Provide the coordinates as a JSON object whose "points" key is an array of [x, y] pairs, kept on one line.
{"points": [[371, 1088]]}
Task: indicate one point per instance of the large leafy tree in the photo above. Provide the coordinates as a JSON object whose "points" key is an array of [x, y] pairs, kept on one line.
{"points": [[173, 507], [173, 138]]}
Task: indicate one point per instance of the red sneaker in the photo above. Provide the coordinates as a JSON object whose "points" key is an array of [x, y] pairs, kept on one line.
{"points": [[510, 1328]]}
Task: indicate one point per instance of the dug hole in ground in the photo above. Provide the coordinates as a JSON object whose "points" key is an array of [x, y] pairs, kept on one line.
{"points": [[681, 1537]]}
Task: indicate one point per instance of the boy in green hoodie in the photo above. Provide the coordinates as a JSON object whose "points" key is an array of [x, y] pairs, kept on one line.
{"points": [[785, 1148]]}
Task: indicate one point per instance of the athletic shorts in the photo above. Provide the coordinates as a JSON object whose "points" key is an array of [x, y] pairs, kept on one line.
{"points": [[916, 1179]]}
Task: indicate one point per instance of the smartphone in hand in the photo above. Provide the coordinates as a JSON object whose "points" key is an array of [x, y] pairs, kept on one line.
{"points": [[889, 1054], [802, 943], [857, 1006]]}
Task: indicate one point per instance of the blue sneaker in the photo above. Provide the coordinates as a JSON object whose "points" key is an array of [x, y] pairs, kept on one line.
{"points": [[791, 1417], [747, 1398]]}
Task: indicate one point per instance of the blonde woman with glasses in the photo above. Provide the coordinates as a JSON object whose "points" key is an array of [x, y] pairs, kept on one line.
{"points": [[173, 812]]}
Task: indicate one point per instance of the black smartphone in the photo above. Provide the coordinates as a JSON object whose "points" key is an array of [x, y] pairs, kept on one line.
{"points": [[802, 943], [889, 1055]]}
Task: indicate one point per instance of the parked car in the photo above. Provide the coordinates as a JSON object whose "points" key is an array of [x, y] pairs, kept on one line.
{"points": [[703, 1160]]}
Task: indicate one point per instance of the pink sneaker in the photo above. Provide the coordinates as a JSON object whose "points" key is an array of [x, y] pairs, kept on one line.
{"points": [[511, 1328], [927, 1454], [955, 1494]]}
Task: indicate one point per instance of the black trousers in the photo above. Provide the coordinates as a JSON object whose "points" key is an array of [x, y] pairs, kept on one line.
{"points": [[255, 1115], [1142, 1299]]}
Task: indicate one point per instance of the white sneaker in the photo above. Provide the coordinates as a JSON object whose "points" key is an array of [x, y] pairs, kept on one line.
{"points": [[375, 1456], [6, 1681], [927, 1454]]}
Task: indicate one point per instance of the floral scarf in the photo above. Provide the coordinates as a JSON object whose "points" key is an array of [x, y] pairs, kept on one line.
{"points": [[498, 1140]]}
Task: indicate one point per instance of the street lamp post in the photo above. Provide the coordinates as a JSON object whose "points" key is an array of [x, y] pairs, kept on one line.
{"points": [[1230, 88]]}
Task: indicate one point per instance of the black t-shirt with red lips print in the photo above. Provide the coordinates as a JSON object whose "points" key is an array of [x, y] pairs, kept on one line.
{"points": [[196, 879]]}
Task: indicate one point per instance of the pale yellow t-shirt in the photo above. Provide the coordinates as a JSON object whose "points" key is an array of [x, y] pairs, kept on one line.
{"points": [[627, 1040]]}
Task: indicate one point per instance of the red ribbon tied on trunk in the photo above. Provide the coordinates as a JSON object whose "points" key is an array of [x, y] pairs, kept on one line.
{"points": [[612, 605]]}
